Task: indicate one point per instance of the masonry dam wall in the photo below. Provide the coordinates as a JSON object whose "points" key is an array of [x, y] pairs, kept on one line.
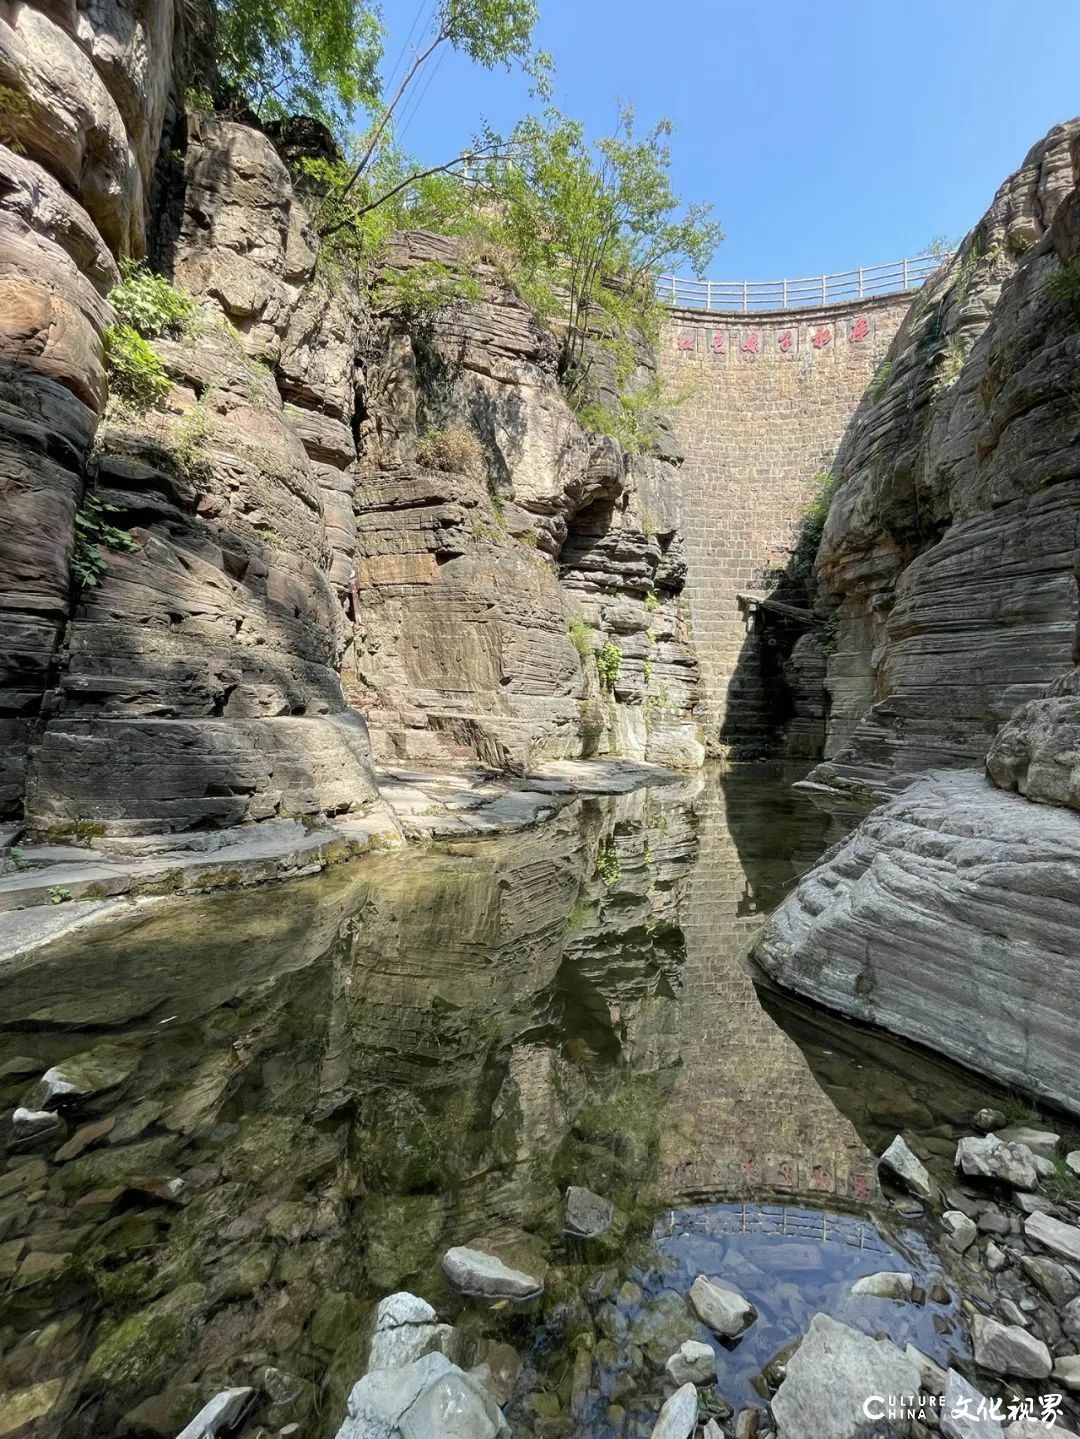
{"points": [[767, 398]]}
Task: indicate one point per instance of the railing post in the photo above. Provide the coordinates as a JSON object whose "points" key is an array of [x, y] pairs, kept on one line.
{"points": [[824, 289], [860, 283], [785, 294], [745, 297], [708, 294], [906, 286], [674, 292]]}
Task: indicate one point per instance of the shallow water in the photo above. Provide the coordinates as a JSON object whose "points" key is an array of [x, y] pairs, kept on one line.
{"points": [[354, 1072]]}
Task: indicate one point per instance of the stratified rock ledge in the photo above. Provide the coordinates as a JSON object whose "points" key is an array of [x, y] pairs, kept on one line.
{"points": [[951, 916]]}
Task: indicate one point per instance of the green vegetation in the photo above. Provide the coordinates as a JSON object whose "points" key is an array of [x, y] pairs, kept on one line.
{"points": [[454, 449], [952, 363], [813, 524], [58, 895], [581, 637], [647, 670], [878, 384], [634, 418], [652, 601], [607, 664], [1018, 1110], [1062, 1186], [586, 228], [136, 374], [151, 305], [14, 113], [1062, 286], [607, 863], [92, 531], [829, 633]]}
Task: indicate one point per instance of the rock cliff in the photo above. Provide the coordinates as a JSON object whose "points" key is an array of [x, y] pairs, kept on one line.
{"points": [[947, 557], [951, 914], [291, 469]]}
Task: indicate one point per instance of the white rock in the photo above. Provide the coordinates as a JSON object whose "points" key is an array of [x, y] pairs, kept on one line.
{"points": [[831, 1375], [988, 1157], [1042, 1142], [1072, 1159], [1008, 1349], [32, 1123], [678, 1418], [588, 1215], [961, 1229], [956, 1425], [406, 1328], [901, 1164], [1067, 1370], [932, 1376], [220, 1414], [471, 1271], [1061, 1239], [429, 1397], [886, 1285], [988, 1119], [996, 1259], [722, 1308], [692, 1363]]}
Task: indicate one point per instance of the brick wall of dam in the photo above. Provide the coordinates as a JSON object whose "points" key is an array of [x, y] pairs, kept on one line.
{"points": [[766, 399]]}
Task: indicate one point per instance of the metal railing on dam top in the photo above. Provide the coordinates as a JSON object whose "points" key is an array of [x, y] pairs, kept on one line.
{"points": [[745, 296]]}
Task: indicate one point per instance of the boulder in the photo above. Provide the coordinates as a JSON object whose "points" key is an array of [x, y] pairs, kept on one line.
{"points": [[831, 1375], [885, 1285], [961, 1230], [678, 1417], [989, 1157], [1070, 1318], [34, 1123], [1060, 1238], [405, 1329], [1072, 1159], [906, 1169], [692, 1363], [1043, 1143], [588, 1215], [1055, 1281], [428, 1397], [987, 1119], [471, 1271], [220, 1415], [83, 1075], [1067, 1370], [960, 1418], [1006, 1349], [721, 1307]]}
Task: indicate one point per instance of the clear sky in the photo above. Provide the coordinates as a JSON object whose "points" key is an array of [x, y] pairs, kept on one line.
{"points": [[826, 133]]}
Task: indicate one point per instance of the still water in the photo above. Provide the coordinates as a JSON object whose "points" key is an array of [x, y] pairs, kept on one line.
{"points": [[350, 1074]]}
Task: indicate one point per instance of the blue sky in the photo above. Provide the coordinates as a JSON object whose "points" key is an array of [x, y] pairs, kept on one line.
{"points": [[826, 133]]}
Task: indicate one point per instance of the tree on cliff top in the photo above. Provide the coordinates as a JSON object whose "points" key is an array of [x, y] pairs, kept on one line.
{"points": [[588, 228], [321, 57]]}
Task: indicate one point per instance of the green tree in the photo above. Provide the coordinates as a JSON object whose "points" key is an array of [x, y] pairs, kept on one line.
{"points": [[310, 57], [589, 227]]}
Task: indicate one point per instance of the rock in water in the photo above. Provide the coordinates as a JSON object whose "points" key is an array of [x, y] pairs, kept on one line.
{"points": [[220, 1415], [959, 1414], [886, 1285], [906, 1168], [678, 1418], [831, 1375], [1061, 1239], [989, 1157], [406, 1328], [421, 1400], [471, 1271], [692, 1363], [587, 1214], [1008, 1349], [722, 1308]]}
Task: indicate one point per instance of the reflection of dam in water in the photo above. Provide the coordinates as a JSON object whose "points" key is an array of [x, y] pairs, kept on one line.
{"points": [[747, 1115]]}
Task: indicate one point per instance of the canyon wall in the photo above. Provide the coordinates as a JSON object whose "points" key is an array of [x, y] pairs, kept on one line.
{"points": [[952, 914], [296, 466]]}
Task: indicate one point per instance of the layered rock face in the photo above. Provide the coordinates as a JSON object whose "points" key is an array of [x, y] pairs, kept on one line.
{"points": [[952, 915], [474, 559], [282, 478], [948, 553]]}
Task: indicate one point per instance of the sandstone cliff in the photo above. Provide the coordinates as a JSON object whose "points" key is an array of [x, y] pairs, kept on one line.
{"points": [[952, 913], [947, 557], [199, 683]]}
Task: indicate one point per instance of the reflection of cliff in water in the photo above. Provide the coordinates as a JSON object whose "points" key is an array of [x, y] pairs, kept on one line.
{"points": [[747, 1114]]}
